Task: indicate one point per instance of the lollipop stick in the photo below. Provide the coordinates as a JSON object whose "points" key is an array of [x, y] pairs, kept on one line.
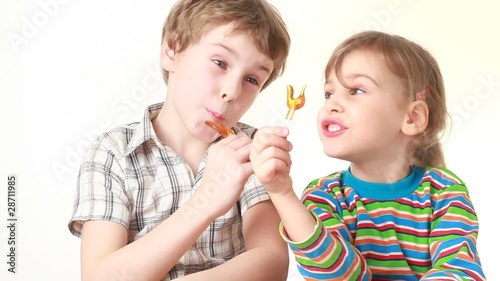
{"points": [[290, 113]]}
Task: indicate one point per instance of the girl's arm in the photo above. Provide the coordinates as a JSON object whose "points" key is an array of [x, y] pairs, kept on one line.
{"points": [[453, 237], [322, 254], [326, 253]]}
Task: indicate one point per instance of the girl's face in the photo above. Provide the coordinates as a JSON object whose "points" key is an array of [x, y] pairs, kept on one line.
{"points": [[362, 117]]}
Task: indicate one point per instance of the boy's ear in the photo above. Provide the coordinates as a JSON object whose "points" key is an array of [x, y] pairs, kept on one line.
{"points": [[416, 118], [167, 57]]}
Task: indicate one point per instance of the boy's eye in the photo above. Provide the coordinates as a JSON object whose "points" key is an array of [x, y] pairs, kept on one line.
{"points": [[220, 63], [356, 91], [328, 95], [252, 80]]}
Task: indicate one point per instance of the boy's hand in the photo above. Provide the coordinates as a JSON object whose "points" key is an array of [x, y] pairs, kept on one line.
{"points": [[227, 170], [270, 157]]}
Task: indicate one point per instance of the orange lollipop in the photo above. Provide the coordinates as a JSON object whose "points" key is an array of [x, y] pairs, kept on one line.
{"points": [[219, 126], [294, 103]]}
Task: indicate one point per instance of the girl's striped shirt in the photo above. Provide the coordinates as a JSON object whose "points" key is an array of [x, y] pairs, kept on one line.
{"points": [[423, 227]]}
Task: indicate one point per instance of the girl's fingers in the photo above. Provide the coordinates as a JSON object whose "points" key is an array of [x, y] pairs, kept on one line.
{"points": [[273, 154], [271, 136]]}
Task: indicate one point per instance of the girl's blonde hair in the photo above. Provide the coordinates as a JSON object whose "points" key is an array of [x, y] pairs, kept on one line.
{"points": [[189, 20], [419, 74]]}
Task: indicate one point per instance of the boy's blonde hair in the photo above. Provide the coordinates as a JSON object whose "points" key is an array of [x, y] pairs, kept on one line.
{"points": [[419, 73], [189, 20]]}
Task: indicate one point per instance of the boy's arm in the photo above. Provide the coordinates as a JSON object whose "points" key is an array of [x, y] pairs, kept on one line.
{"points": [[152, 256], [266, 255], [103, 206], [453, 237], [105, 254]]}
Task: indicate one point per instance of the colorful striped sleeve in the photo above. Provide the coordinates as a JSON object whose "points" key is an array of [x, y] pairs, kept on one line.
{"points": [[328, 254], [453, 235], [448, 223]]}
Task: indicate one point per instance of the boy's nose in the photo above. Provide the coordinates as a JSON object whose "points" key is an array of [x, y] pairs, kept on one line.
{"points": [[230, 90]]}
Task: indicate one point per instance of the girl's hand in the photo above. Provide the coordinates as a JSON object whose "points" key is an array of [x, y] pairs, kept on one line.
{"points": [[270, 158]]}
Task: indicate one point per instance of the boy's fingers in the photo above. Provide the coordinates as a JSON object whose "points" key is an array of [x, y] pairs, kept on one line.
{"points": [[237, 142], [247, 168]]}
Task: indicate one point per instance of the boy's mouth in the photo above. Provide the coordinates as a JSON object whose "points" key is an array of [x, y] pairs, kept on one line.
{"points": [[216, 116], [217, 123]]}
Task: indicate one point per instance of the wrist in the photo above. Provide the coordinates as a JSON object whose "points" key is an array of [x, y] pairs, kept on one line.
{"points": [[285, 191], [199, 207]]}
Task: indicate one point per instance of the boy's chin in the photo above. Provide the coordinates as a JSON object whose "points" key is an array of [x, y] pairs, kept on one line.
{"points": [[207, 136]]}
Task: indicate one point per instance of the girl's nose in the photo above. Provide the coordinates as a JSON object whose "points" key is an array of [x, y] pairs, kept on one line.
{"points": [[334, 104]]}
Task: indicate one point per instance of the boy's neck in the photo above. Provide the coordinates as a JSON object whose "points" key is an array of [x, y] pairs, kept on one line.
{"points": [[174, 135]]}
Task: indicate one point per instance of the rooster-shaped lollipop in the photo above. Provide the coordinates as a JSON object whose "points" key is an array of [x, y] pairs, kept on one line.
{"points": [[294, 103]]}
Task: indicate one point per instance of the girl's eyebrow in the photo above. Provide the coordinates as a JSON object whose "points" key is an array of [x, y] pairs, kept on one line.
{"points": [[357, 75]]}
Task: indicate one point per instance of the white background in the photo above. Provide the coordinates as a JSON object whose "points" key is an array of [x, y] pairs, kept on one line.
{"points": [[70, 70]]}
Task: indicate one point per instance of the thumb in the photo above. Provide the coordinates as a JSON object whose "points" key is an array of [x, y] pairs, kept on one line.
{"points": [[275, 130]]}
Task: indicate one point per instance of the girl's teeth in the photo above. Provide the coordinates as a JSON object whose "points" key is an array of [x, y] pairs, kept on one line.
{"points": [[333, 127]]}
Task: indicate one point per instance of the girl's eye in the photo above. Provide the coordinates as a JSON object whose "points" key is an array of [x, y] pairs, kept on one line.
{"points": [[356, 91], [328, 95], [220, 63], [252, 80]]}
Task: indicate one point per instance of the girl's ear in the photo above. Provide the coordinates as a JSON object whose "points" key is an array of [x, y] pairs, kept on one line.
{"points": [[416, 118], [167, 57]]}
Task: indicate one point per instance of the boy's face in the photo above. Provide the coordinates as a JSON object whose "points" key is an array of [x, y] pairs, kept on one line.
{"points": [[363, 119], [217, 78]]}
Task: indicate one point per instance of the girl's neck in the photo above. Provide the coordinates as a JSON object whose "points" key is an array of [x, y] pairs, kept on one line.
{"points": [[381, 173]]}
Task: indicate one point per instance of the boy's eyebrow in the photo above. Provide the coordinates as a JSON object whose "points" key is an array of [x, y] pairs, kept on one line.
{"points": [[234, 53], [229, 49]]}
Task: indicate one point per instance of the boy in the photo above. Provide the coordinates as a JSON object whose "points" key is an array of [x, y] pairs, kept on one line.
{"points": [[170, 180]]}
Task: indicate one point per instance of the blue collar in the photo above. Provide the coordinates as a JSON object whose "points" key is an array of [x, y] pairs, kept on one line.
{"points": [[385, 191]]}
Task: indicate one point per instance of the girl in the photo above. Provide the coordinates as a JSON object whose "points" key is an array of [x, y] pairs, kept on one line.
{"points": [[396, 213]]}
